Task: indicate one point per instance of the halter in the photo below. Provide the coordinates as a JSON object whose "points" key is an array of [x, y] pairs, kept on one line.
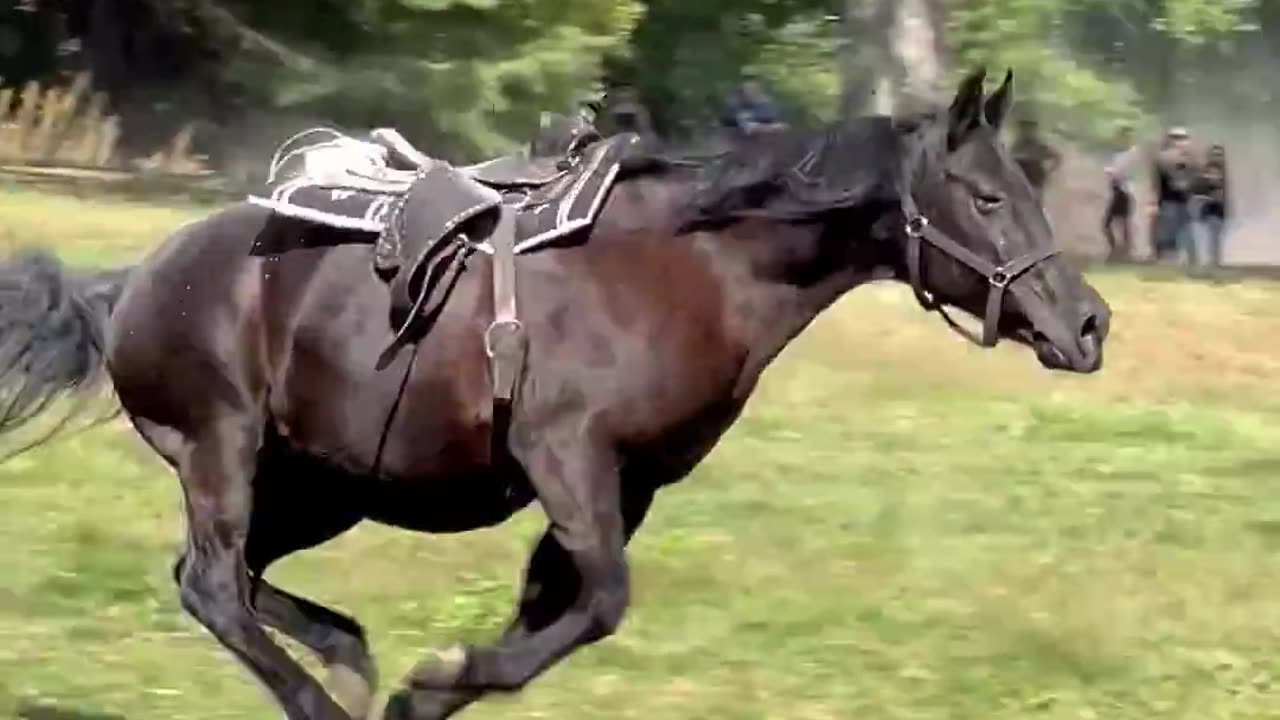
{"points": [[999, 277]]}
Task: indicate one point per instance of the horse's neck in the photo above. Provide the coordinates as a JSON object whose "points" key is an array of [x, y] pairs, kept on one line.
{"points": [[785, 278]]}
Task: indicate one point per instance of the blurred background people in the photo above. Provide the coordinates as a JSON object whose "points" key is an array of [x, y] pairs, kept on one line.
{"points": [[1175, 175], [1117, 219], [1036, 157]]}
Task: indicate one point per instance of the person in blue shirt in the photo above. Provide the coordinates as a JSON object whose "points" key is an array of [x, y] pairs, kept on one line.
{"points": [[1211, 194], [749, 109]]}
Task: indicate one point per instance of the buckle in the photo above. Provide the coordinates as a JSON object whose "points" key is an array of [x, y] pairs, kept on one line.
{"points": [[916, 224], [501, 336]]}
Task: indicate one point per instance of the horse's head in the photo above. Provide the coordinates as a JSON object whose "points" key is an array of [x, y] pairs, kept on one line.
{"points": [[977, 238]]}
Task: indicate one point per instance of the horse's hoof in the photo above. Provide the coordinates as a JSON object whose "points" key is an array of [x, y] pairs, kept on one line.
{"points": [[399, 706], [351, 691], [314, 701], [441, 672], [421, 705]]}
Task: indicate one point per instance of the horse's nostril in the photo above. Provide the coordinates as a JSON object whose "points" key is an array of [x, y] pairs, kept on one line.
{"points": [[1089, 328], [1090, 343]]}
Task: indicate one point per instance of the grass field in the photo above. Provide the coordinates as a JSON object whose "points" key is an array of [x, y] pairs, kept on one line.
{"points": [[901, 526]]}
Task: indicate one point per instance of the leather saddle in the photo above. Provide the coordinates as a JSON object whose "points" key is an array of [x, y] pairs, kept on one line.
{"points": [[448, 213]]}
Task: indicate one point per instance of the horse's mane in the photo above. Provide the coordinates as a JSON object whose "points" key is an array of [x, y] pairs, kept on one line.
{"points": [[793, 175]]}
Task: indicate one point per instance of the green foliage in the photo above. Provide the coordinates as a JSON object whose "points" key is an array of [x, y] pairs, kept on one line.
{"points": [[466, 78], [799, 63], [1064, 52], [462, 77], [685, 56], [28, 43], [1197, 21], [1051, 83]]}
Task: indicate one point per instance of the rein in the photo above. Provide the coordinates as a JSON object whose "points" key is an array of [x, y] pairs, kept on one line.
{"points": [[999, 277]]}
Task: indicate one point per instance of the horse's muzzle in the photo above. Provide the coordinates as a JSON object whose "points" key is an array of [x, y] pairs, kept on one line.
{"points": [[1081, 353]]}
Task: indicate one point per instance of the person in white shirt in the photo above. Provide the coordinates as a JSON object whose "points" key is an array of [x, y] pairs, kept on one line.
{"points": [[1120, 206]]}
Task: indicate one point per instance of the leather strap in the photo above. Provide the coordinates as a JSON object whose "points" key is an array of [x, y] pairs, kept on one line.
{"points": [[504, 340], [1000, 277]]}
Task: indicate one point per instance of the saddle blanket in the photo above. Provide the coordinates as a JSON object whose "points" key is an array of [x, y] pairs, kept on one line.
{"points": [[348, 183]]}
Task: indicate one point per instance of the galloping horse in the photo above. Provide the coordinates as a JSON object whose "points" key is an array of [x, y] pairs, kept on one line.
{"points": [[254, 377]]}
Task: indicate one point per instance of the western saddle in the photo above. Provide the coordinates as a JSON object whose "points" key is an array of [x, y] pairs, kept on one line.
{"points": [[426, 244]]}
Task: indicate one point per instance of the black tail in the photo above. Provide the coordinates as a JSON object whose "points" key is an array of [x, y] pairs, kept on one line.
{"points": [[53, 323]]}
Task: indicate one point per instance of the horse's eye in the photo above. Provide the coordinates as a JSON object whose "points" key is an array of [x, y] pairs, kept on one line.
{"points": [[987, 203]]}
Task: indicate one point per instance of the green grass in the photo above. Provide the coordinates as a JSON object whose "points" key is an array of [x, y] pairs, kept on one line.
{"points": [[84, 231], [901, 526]]}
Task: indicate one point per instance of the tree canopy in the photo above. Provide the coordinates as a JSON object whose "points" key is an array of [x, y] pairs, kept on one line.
{"points": [[472, 75]]}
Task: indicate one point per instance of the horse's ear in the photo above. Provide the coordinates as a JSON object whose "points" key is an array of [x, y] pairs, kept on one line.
{"points": [[997, 106], [966, 109]]}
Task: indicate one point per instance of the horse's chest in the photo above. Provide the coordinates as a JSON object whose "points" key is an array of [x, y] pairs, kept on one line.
{"points": [[676, 451]]}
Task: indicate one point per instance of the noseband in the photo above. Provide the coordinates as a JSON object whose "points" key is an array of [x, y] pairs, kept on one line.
{"points": [[999, 277]]}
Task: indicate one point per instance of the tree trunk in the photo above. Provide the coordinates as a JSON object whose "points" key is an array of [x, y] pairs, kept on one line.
{"points": [[892, 61], [916, 48], [868, 62]]}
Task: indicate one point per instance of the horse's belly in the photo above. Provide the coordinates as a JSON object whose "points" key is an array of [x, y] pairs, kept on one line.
{"points": [[449, 505], [443, 498]]}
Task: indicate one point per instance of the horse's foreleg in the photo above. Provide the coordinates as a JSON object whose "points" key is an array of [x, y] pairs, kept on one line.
{"points": [[551, 583], [584, 561], [569, 598], [216, 468], [545, 597], [550, 586]]}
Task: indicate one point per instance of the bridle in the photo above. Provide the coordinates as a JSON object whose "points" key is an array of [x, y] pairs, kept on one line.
{"points": [[999, 277]]}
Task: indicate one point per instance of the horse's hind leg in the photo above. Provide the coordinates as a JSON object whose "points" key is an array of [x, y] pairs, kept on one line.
{"points": [[284, 523], [338, 640], [216, 466]]}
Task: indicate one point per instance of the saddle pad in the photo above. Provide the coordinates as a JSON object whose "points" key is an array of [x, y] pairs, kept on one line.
{"points": [[553, 211]]}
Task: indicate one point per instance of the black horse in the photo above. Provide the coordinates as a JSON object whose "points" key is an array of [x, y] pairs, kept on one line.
{"points": [[254, 377]]}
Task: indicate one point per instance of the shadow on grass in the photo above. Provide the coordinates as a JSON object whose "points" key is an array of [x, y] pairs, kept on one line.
{"points": [[45, 711]]}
